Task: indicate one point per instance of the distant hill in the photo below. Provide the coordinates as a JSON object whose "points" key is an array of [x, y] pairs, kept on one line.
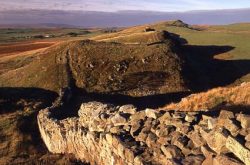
{"points": [[121, 18], [39, 25]]}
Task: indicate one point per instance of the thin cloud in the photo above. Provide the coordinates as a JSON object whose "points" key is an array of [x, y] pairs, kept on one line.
{"points": [[110, 5]]}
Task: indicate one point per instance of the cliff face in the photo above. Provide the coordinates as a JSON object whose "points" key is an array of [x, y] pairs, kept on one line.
{"points": [[108, 134]]}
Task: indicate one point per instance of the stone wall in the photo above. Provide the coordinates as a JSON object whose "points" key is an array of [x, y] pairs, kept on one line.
{"points": [[108, 134], [68, 136], [72, 136]]}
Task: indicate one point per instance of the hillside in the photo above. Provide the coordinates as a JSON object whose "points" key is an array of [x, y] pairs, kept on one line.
{"points": [[214, 55], [236, 98], [147, 66]]}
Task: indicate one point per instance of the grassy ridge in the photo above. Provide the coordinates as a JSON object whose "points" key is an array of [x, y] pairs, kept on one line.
{"points": [[215, 99]]}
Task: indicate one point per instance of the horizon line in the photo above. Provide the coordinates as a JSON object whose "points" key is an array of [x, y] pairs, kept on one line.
{"points": [[119, 11]]}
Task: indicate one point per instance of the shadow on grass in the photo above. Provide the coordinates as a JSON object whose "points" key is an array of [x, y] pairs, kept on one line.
{"points": [[18, 99], [10, 98], [205, 72], [30, 149], [154, 101]]}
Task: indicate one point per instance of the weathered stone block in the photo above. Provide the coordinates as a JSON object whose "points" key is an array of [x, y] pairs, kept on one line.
{"points": [[244, 120], [118, 120], [240, 151], [190, 118], [151, 139], [196, 138], [171, 151], [224, 114], [164, 118], [215, 140], [193, 160], [130, 109], [211, 123], [137, 116], [109, 139], [225, 160], [151, 113], [129, 155], [179, 115]]}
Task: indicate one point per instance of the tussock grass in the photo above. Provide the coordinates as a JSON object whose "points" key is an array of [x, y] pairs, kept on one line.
{"points": [[214, 98]]}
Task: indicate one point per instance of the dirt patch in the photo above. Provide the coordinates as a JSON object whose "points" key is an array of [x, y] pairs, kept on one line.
{"points": [[18, 48]]}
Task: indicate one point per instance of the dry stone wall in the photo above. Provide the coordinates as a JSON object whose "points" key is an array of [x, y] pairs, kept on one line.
{"points": [[108, 134]]}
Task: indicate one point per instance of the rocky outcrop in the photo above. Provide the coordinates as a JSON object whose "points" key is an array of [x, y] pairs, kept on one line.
{"points": [[108, 134]]}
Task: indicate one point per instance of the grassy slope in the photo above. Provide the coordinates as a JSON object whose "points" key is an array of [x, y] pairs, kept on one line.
{"points": [[128, 69], [99, 67], [236, 98], [235, 36]]}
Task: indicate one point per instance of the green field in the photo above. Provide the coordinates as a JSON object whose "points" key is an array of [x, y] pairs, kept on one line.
{"points": [[235, 35], [8, 35]]}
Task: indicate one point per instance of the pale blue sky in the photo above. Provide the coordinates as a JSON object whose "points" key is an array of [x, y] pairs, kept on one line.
{"points": [[117, 5]]}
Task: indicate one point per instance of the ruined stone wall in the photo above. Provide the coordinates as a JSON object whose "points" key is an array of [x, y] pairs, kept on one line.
{"points": [[107, 134], [69, 136]]}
